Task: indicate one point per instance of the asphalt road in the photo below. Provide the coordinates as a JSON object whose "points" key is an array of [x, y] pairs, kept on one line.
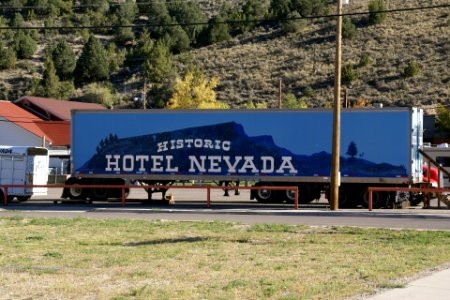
{"points": [[234, 208]]}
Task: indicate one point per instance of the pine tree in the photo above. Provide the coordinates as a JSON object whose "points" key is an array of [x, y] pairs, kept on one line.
{"points": [[50, 81], [25, 45], [93, 63], [159, 64], [7, 58], [64, 60]]}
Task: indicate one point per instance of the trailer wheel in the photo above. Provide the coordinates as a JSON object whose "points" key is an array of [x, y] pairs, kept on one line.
{"points": [[379, 199], [346, 198], [290, 196], [75, 193], [264, 196], [99, 193], [23, 198], [415, 199]]}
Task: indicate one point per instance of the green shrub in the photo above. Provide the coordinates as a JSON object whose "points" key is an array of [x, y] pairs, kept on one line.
{"points": [[292, 102], [364, 60], [348, 29], [411, 70], [7, 58], [25, 46], [376, 17], [293, 24], [97, 93], [349, 74]]}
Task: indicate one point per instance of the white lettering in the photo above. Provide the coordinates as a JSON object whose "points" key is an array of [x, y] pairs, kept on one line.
{"points": [[267, 164], [169, 167], [198, 143], [189, 142], [162, 147], [157, 163], [142, 159], [193, 160], [128, 163], [286, 164], [214, 164], [248, 164], [110, 163], [232, 167]]}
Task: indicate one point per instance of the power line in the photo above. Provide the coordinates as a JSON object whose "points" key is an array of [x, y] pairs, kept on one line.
{"points": [[397, 10]]}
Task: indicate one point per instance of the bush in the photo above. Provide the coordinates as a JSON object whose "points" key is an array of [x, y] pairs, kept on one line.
{"points": [[25, 46], [96, 93], [375, 17], [295, 24], [291, 102], [364, 60], [411, 70], [349, 74], [7, 58], [348, 29]]}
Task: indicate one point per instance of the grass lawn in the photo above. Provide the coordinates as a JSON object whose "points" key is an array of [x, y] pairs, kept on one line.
{"points": [[129, 259]]}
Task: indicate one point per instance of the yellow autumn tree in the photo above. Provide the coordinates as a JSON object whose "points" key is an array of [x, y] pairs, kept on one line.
{"points": [[195, 91]]}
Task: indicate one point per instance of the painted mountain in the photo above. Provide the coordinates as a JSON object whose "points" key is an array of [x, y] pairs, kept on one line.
{"points": [[244, 154]]}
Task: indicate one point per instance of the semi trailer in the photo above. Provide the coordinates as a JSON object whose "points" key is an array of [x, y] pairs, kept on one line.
{"points": [[265, 148]]}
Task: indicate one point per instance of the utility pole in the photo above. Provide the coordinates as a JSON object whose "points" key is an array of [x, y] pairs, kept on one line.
{"points": [[144, 96], [279, 94], [335, 174]]}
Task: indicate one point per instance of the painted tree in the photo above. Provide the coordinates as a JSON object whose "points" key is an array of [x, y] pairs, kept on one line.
{"points": [[195, 91], [352, 151]]}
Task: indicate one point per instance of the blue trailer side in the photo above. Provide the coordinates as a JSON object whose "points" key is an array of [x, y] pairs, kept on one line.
{"points": [[378, 146]]}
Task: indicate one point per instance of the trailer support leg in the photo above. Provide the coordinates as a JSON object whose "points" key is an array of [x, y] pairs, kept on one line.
{"points": [[208, 197], [123, 196]]}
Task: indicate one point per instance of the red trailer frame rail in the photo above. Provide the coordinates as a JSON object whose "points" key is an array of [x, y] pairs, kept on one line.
{"points": [[208, 188], [403, 189]]}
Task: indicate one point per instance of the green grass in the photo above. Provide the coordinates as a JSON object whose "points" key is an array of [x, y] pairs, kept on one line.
{"points": [[122, 259]]}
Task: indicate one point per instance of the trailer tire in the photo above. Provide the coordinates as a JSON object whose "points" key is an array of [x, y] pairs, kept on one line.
{"points": [[289, 195], [76, 193], [379, 199], [416, 198], [264, 196], [23, 198], [99, 193]]}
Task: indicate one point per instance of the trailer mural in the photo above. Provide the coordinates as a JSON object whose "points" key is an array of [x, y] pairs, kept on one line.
{"points": [[241, 143]]}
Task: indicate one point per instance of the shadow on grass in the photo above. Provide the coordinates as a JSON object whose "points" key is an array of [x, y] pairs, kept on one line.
{"points": [[168, 241]]}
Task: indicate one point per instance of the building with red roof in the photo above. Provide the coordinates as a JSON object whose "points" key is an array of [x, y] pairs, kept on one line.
{"points": [[53, 109], [19, 127]]}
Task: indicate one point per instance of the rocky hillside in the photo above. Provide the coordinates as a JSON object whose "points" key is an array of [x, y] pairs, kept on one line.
{"points": [[251, 66]]}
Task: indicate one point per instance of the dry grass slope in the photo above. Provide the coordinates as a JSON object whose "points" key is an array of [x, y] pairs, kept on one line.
{"points": [[250, 66]]}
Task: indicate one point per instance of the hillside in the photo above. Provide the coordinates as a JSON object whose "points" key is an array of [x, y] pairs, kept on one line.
{"points": [[251, 65]]}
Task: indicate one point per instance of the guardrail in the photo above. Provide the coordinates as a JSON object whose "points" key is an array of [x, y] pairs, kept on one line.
{"points": [[403, 189], [123, 188]]}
